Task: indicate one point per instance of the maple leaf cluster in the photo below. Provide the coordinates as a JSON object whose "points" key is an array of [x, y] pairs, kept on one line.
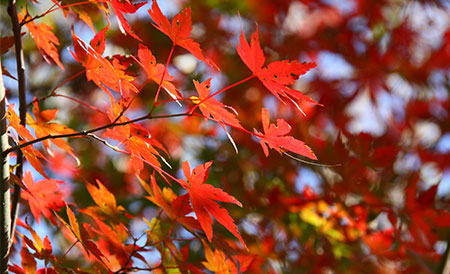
{"points": [[103, 234], [115, 176]]}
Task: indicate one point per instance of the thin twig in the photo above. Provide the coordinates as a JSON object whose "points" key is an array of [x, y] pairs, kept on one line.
{"points": [[308, 162], [68, 250], [24, 21], [53, 8], [52, 93]]}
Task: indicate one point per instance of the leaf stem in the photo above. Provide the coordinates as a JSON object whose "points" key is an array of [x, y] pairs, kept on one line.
{"points": [[80, 102], [124, 109], [227, 124], [308, 162], [155, 103], [68, 250]]}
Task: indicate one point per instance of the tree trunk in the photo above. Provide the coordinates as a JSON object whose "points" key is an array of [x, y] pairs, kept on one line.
{"points": [[8, 216], [5, 215]]}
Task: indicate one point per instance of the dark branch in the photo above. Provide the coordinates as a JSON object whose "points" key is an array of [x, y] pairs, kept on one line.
{"points": [[88, 132]]}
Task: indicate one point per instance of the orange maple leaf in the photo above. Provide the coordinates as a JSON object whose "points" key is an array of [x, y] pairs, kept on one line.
{"points": [[176, 207], [217, 261], [107, 207], [43, 127], [101, 71], [155, 71], [45, 40]]}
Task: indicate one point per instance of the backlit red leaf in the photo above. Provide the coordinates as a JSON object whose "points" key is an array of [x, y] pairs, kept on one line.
{"points": [[28, 261], [179, 31], [276, 76], [125, 6], [204, 198]]}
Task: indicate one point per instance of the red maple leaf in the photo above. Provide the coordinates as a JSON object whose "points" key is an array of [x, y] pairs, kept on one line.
{"points": [[125, 6], [81, 233], [276, 76], [212, 107], [274, 137], [179, 31], [6, 43], [155, 71], [203, 200]]}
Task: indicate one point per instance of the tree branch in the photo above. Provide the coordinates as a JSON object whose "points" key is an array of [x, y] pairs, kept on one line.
{"points": [[88, 132]]}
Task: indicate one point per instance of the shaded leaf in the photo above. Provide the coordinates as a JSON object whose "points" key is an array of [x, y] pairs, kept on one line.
{"points": [[274, 137], [43, 196]]}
